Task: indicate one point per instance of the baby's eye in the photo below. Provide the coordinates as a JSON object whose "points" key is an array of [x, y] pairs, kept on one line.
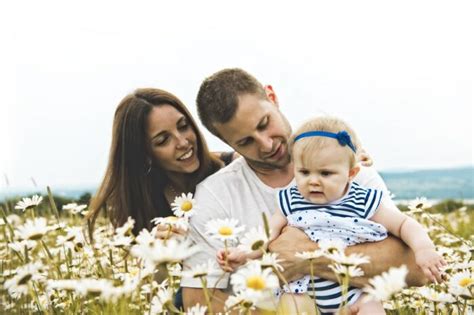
{"points": [[304, 172], [326, 173]]}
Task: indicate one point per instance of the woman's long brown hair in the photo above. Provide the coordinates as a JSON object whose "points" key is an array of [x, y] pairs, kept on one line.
{"points": [[130, 188]]}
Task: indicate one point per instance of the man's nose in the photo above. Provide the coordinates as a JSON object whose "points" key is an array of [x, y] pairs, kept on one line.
{"points": [[265, 143]]}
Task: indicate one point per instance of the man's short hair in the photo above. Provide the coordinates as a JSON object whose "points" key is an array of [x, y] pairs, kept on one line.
{"points": [[218, 96]]}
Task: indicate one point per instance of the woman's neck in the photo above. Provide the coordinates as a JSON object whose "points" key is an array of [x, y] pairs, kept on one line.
{"points": [[178, 183]]}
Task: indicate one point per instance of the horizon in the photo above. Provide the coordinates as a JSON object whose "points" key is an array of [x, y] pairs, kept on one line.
{"points": [[88, 186]]}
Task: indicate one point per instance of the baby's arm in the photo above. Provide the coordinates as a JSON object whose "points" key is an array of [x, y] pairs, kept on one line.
{"points": [[235, 257], [277, 222], [413, 234]]}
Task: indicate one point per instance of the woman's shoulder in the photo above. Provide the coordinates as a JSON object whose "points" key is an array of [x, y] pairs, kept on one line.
{"points": [[226, 156]]}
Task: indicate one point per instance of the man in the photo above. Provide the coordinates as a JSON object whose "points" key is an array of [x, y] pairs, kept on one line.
{"points": [[235, 107]]}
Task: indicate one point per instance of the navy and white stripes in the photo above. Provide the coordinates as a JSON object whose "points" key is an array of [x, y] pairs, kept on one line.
{"points": [[346, 219], [358, 202]]}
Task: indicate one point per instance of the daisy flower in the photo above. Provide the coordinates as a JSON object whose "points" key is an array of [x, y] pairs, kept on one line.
{"points": [[346, 271], [310, 255], [28, 203], [146, 237], [255, 281], [33, 229], [435, 296], [158, 252], [255, 239], [461, 283], [384, 286], [126, 228], [20, 246], [197, 310], [18, 285], [203, 270], [419, 205], [12, 219], [180, 223], [160, 301], [329, 247], [224, 229], [121, 241], [270, 260], [183, 206], [242, 300], [74, 208], [349, 260], [94, 286]]}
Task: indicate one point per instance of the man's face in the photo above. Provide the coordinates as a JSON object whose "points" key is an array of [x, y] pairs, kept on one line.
{"points": [[259, 132]]}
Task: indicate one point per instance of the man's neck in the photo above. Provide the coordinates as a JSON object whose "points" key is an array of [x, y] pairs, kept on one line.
{"points": [[276, 177]]}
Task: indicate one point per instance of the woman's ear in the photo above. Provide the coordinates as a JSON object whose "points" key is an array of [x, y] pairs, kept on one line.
{"points": [[271, 94], [353, 172]]}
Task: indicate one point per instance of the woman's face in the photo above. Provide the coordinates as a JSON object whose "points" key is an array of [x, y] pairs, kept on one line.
{"points": [[173, 140]]}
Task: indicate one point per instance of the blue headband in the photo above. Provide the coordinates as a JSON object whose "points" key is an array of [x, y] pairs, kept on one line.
{"points": [[342, 137]]}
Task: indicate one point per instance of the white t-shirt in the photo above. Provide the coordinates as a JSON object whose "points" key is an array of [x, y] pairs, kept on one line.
{"points": [[236, 192]]}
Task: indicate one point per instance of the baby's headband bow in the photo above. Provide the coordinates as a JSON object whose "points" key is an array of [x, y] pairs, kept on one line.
{"points": [[342, 137]]}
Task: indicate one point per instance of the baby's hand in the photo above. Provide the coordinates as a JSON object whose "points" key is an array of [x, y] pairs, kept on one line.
{"points": [[364, 158], [231, 259], [431, 263]]}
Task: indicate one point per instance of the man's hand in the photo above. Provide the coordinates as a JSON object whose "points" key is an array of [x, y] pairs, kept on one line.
{"points": [[291, 241], [383, 255]]}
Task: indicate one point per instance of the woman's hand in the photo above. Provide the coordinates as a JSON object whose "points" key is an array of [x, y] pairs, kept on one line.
{"points": [[231, 258], [166, 231]]}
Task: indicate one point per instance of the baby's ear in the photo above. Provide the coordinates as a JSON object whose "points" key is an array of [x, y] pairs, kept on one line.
{"points": [[353, 172]]}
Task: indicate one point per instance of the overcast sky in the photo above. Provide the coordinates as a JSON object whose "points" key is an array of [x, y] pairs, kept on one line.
{"points": [[401, 72]]}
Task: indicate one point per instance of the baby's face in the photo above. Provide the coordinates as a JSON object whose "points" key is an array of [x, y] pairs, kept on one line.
{"points": [[323, 177]]}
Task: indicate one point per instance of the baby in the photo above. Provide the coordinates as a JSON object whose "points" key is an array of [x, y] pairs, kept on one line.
{"points": [[327, 204]]}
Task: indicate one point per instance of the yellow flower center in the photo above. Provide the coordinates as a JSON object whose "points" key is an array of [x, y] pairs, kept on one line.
{"points": [[186, 206], [25, 279], [256, 283], [225, 230], [465, 282], [257, 245], [35, 237]]}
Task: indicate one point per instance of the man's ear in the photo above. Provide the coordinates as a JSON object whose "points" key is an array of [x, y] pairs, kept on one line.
{"points": [[271, 95], [353, 172]]}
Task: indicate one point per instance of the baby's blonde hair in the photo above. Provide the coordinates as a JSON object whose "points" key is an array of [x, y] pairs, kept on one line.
{"points": [[304, 147]]}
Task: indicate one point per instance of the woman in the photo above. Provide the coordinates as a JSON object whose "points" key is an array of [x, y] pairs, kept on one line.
{"points": [[157, 153]]}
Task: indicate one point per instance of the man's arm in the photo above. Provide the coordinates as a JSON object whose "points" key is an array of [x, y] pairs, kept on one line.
{"points": [[383, 255], [193, 296]]}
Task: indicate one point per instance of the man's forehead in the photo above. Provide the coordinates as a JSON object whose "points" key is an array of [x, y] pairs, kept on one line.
{"points": [[246, 119]]}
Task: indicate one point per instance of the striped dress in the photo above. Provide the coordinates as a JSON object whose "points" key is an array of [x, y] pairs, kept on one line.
{"points": [[346, 219]]}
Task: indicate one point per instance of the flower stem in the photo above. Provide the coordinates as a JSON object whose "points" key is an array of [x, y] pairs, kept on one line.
{"points": [[206, 294], [282, 278]]}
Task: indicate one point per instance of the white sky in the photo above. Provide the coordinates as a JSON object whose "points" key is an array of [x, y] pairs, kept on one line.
{"points": [[401, 72]]}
